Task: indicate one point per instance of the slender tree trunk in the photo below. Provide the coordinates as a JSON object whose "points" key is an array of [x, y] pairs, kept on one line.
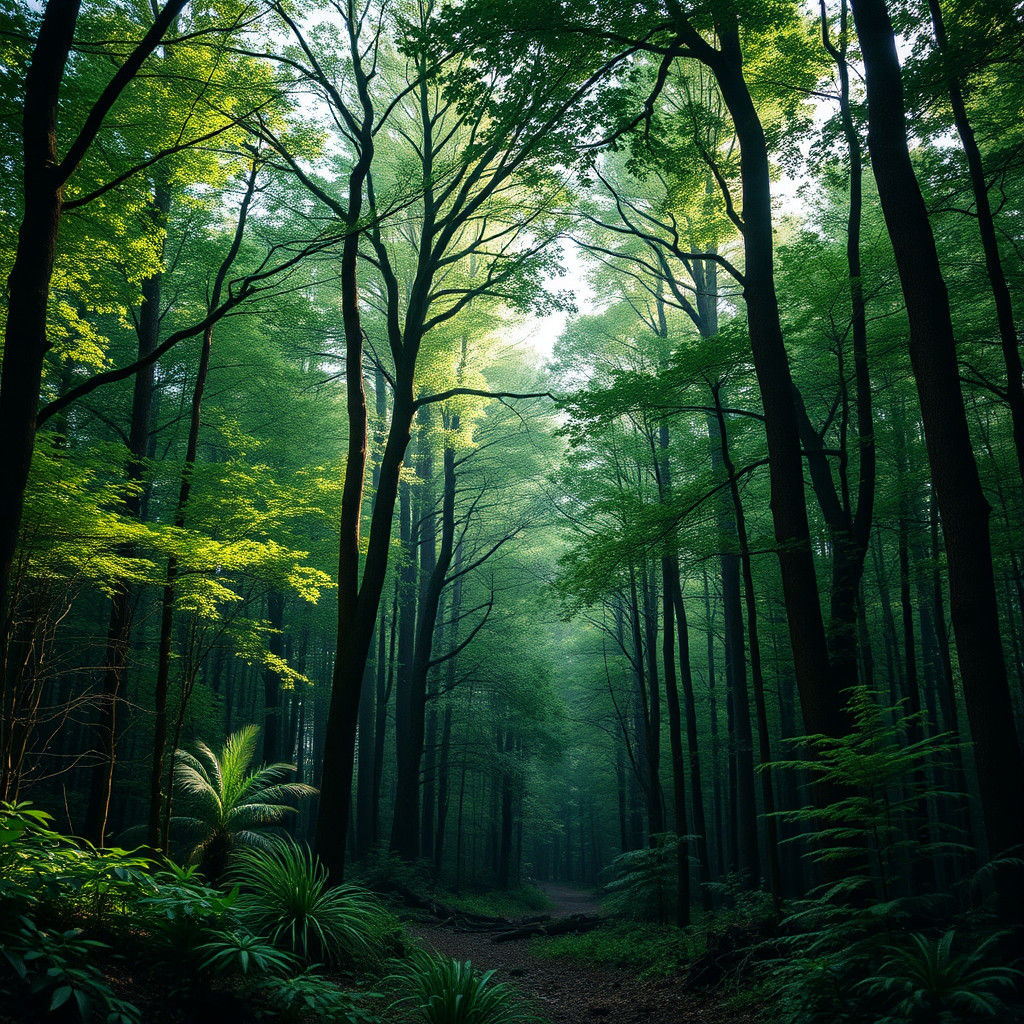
{"points": [[407, 793], [505, 851], [822, 705], [157, 841], [675, 735], [757, 678], [990, 245], [28, 287], [273, 728]]}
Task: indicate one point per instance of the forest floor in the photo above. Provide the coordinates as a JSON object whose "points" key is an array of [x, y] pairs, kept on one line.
{"points": [[565, 991]]}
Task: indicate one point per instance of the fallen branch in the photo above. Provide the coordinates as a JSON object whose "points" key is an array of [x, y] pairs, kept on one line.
{"points": [[577, 923]]}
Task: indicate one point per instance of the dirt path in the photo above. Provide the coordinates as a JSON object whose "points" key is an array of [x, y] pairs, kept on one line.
{"points": [[564, 991]]}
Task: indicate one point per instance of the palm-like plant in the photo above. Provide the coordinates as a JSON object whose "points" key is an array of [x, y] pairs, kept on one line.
{"points": [[230, 802], [930, 982]]}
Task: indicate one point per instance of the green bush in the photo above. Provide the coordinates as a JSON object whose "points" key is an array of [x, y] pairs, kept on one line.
{"points": [[520, 902], [59, 970], [182, 914], [644, 886], [230, 804], [62, 880], [440, 990], [230, 954], [926, 981], [286, 897], [311, 994]]}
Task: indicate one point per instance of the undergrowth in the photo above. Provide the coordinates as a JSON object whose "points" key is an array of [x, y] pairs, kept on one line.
{"points": [[520, 902], [651, 950]]}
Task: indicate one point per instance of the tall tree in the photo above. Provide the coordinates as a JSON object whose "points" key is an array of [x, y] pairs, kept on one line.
{"points": [[963, 508]]}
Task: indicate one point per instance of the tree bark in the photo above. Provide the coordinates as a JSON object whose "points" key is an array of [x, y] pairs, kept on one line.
{"points": [[962, 505], [821, 704]]}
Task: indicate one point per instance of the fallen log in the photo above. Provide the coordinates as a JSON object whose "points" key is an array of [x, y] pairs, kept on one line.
{"points": [[566, 926]]}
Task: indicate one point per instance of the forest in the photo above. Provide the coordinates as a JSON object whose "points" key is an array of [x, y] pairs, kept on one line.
{"points": [[502, 499]]}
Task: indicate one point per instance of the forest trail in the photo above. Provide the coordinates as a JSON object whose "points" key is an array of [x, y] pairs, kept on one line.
{"points": [[569, 992], [568, 901]]}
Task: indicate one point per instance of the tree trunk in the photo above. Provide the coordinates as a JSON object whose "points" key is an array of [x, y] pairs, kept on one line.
{"points": [[962, 504], [821, 704], [989, 242], [675, 735], [119, 628], [28, 286]]}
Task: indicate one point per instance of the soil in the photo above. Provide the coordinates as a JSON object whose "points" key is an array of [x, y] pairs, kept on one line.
{"points": [[564, 991]]}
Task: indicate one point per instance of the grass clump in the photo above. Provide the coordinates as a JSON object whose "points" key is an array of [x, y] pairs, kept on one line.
{"points": [[439, 990], [650, 950], [520, 902], [286, 897]]}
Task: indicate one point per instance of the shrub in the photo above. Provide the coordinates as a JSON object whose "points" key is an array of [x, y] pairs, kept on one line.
{"points": [[286, 898], [644, 887], [236, 953], [440, 990], [650, 950], [290, 999], [181, 914], [58, 968], [927, 981]]}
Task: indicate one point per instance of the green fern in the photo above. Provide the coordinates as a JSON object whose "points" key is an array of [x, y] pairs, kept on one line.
{"points": [[929, 982]]}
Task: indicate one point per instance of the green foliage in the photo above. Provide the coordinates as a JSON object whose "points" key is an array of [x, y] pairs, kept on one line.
{"points": [[880, 776], [384, 871], [837, 939], [231, 803], [293, 999], [183, 908], [287, 898], [440, 990], [65, 879], [817, 989], [233, 953], [649, 950], [525, 899], [645, 881], [927, 981], [59, 968]]}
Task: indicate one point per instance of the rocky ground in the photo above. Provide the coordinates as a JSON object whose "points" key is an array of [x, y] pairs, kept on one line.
{"points": [[564, 992]]}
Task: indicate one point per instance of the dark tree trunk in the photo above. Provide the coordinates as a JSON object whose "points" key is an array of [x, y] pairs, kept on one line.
{"points": [[273, 727], [962, 504], [404, 837], [367, 764], [821, 704], [157, 840], [505, 851], [716, 774], [989, 243], [443, 786], [675, 735], [28, 287], [757, 678]]}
